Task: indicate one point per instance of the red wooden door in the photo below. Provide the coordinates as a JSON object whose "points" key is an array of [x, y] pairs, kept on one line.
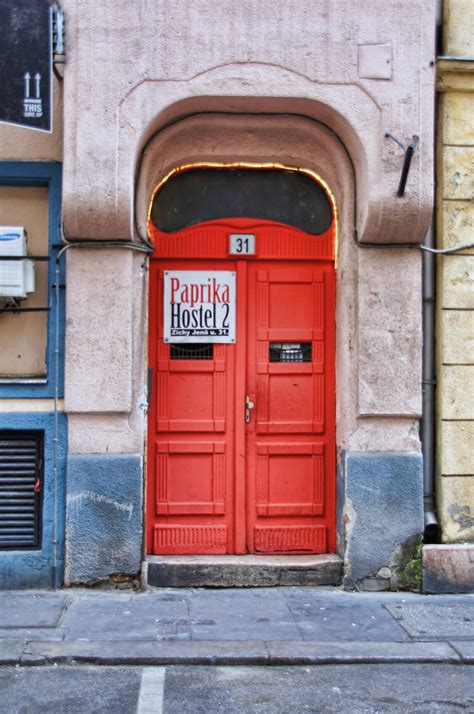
{"points": [[290, 434], [191, 439], [224, 477]]}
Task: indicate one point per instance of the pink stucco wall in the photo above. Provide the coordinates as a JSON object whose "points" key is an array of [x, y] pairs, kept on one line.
{"points": [[363, 68], [138, 77]]}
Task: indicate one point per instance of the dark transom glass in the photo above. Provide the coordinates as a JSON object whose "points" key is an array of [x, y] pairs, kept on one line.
{"points": [[200, 195]]}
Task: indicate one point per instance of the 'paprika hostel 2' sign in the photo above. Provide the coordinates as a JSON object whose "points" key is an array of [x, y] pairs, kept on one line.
{"points": [[199, 306]]}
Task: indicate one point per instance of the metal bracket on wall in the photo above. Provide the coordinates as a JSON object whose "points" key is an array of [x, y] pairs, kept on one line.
{"points": [[59, 55], [24, 257], [409, 153], [58, 35], [24, 309]]}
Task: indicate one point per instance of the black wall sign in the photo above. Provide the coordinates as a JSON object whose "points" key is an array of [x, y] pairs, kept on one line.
{"points": [[26, 63]]}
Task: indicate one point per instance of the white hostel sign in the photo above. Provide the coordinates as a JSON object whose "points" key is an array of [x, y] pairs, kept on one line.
{"points": [[199, 306]]}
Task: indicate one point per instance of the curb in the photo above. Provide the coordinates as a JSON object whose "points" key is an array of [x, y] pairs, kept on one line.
{"points": [[230, 653]]}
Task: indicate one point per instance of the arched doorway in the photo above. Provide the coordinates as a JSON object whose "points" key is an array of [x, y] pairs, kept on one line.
{"points": [[241, 438]]}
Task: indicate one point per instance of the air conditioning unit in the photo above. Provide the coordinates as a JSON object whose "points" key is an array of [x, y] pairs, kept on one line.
{"points": [[17, 277]]}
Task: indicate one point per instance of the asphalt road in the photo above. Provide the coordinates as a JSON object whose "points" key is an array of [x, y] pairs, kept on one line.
{"points": [[352, 688]]}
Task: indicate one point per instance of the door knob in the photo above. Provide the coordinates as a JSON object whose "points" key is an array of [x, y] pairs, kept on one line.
{"points": [[248, 407]]}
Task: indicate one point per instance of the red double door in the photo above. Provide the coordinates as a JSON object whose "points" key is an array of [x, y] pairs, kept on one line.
{"points": [[241, 441]]}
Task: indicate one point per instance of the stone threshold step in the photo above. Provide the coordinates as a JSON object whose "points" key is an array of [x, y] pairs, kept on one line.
{"points": [[241, 571]]}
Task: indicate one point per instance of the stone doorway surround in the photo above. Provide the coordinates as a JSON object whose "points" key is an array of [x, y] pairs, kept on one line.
{"points": [[332, 119]]}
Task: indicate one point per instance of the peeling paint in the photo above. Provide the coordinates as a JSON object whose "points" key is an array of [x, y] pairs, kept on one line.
{"points": [[349, 517], [383, 515], [100, 542], [457, 179], [462, 516], [76, 501]]}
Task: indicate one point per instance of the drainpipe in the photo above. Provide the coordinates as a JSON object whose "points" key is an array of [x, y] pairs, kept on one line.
{"points": [[431, 528]]}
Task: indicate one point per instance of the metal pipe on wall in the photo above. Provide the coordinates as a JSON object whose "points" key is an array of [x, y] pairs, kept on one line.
{"points": [[431, 528]]}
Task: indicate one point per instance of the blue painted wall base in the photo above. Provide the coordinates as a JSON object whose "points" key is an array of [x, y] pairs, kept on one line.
{"points": [[383, 517], [103, 516], [42, 567]]}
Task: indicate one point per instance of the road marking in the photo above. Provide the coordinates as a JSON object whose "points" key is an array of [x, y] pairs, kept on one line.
{"points": [[152, 687]]}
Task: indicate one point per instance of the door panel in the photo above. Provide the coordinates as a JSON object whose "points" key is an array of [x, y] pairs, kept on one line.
{"points": [[191, 472], [190, 539], [181, 386], [290, 455], [290, 539], [178, 489], [305, 463], [217, 483]]}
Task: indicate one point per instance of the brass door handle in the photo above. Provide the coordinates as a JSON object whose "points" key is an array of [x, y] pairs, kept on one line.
{"points": [[248, 407]]}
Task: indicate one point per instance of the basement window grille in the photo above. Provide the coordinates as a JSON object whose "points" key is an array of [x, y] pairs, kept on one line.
{"points": [[193, 351], [21, 481], [290, 352]]}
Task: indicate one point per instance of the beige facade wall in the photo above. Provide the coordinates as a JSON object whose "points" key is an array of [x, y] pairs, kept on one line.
{"points": [[458, 22], [455, 277]]}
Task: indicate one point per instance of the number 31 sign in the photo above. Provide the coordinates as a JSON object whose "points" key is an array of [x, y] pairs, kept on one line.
{"points": [[242, 244]]}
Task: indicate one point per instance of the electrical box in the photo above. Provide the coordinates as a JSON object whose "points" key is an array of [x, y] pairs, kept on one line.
{"points": [[17, 277]]}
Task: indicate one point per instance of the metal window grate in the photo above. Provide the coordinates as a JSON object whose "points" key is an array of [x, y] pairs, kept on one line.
{"points": [[290, 352], [193, 351], [21, 478]]}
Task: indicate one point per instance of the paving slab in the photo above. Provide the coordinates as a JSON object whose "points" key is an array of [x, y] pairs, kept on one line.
{"points": [[257, 614], [10, 651], [31, 610], [465, 649], [44, 634], [347, 618], [202, 624], [133, 617], [436, 621]]}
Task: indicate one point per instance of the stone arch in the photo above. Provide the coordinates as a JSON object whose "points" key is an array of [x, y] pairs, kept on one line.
{"points": [[218, 137]]}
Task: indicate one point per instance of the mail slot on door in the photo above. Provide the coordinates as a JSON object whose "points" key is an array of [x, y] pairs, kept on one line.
{"points": [[290, 352]]}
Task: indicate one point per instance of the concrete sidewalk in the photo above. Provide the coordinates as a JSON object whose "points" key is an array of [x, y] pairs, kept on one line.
{"points": [[292, 625]]}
